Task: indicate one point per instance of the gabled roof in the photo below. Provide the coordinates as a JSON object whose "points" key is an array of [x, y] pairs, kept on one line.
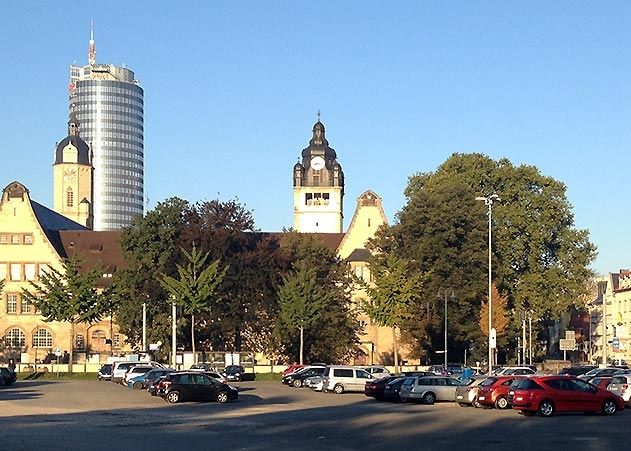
{"points": [[94, 249], [51, 223]]}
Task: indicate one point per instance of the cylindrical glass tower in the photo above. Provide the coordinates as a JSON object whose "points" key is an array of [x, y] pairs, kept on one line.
{"points": [[108, 104]]}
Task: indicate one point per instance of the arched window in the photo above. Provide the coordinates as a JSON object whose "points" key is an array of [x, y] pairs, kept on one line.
{"points": [[69, 198], [15, 338], [42, 338]]}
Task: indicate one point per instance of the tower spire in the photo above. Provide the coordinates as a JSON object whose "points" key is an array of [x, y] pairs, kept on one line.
{"points": [[91, 49]]}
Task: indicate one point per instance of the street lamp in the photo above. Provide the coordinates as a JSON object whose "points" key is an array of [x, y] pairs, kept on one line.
{"points": [[173, 333], [488, 201], [444, 296]]}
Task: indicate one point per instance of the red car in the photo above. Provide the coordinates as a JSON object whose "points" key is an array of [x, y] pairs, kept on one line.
{"points": [[549, 394], [493, 391], [292, 368]]}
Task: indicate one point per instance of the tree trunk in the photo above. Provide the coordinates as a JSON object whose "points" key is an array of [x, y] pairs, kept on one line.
{"points": [[71, 352], [302, 342], [193, 337], [395, 349]]}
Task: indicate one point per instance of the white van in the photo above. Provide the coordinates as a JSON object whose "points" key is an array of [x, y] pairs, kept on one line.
{"points": [[340, 379]]}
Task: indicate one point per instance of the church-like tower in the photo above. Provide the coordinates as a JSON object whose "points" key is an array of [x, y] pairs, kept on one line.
{"points": [[318, 187], [72, 177]]}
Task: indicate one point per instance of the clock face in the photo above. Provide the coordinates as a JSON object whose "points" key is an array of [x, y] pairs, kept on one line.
{"points": [[317, 163]]}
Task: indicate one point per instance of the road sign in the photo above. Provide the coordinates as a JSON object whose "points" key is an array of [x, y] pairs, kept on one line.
{"points": [[567, 344], [570, 335], [57, 352], [493, 339]]}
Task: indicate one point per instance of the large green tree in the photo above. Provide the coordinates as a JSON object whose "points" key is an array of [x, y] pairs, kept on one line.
{"points": [[195, 287], [302, 301], [394, 291], [540, 260], [70, 295]]}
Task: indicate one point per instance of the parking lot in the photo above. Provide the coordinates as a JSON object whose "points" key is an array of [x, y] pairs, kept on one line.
{"points": [[98, 415]]}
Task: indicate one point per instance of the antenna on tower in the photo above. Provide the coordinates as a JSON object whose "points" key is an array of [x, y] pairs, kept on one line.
{"points": [[91, 49], [318, 113]]}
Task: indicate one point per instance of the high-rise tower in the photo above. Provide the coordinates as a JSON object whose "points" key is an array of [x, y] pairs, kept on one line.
{"points": [[318, 187], [108, 102]]}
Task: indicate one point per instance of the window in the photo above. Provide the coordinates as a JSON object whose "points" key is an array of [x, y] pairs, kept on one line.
{"points": [[4, 238], [43, 269], [69, 197], [15, 338], [28, 239], [16, 239], [363, 374], [16, 271], [25, 307], [117, 340], [79, 341], [342, 372], [3, 271], [29, 271], [42, 338], [12, 303]]}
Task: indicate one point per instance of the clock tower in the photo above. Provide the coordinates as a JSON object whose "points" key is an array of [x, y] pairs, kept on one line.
{"points": [[318, 187], [72, 177]]}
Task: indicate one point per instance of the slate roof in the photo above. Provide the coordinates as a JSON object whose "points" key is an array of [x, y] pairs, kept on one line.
{"points": [[83, 149], [52, 222]]}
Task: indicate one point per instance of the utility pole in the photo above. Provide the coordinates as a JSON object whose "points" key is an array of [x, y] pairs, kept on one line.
{"points": [[530, 337], [173, 334]]}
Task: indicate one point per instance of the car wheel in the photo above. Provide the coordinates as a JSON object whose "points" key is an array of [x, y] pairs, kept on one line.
{"points": [[609, 407], [546, 408], [137, 385], [338, 389], [429, 398], [222, 397], [297, 383], [173, 397], [476, 403], [501, 403]]}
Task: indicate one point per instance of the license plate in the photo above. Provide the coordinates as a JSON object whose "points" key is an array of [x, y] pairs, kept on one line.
{"points": [[482, 398]]}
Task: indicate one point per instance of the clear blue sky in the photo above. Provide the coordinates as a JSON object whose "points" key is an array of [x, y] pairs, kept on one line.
{"points": [[232, 90]]}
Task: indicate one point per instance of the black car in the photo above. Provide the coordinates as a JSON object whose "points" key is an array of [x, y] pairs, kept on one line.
{"points": [[234, 372], [392, 389], [297, 379], [7, 376], [105, 373], [195, 386], [375, 388], [577, 370]]}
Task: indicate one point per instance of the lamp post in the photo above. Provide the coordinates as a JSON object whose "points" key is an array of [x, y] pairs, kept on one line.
{"points": [[173, 333], [488, 201], [444, 296], [529, 337]]}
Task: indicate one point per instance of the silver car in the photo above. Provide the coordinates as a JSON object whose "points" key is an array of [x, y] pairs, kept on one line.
{"points": [[429, 389], [621, 385], [467, 392]]}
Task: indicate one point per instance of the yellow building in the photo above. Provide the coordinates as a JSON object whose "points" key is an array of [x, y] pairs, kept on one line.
{"points": [[34, 239]]}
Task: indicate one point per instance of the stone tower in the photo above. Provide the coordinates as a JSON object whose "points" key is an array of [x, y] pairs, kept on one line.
{"points": [[72, 177]]}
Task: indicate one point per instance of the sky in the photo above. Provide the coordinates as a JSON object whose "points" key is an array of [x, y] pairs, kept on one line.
{"points": [[232, 90]]}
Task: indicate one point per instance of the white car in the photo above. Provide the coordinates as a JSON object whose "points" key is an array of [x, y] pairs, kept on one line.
{"points": [[314, 382], [136, 370]]}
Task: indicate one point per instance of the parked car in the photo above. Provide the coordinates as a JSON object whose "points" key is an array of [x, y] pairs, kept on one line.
{"points": [[314, 382], [234, 373], [550, 394], [577, 370], [377, 371], [292, 368], [120, 367], [297, 379], [134, 371], [621, 385], [415, 373], [105, 372], [340, 379], [196, 386], [608, 371], [438, 370], [155, 375], [392, 389], [493, 391], [515, 371], [601, 381], [429, 389], [7, 376], [467, 391], [202, 367], [375, 388]]}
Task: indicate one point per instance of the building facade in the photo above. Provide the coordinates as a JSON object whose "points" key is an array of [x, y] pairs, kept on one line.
{"points": [[34, 240], [318, 187], [109, 103]]}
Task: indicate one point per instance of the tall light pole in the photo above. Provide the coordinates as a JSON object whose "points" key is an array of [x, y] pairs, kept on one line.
{"points": [[452, 297], [173, 333], [488, 201], [529, 337]]}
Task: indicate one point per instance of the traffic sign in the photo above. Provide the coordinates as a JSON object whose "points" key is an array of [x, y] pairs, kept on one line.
{"points": [[570, 334], [567, 344]]}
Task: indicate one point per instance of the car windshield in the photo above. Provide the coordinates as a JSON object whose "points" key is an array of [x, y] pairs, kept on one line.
{"points": [[488, 381]]}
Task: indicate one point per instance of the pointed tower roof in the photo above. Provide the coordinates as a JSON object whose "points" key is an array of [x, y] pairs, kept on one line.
{"points": [[73, 138]]}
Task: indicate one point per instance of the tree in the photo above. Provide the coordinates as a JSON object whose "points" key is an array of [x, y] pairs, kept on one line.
{"points": [[302, 301], [395, 288], [540, 261], [69, 295], [499, 313], [195, 287]]}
